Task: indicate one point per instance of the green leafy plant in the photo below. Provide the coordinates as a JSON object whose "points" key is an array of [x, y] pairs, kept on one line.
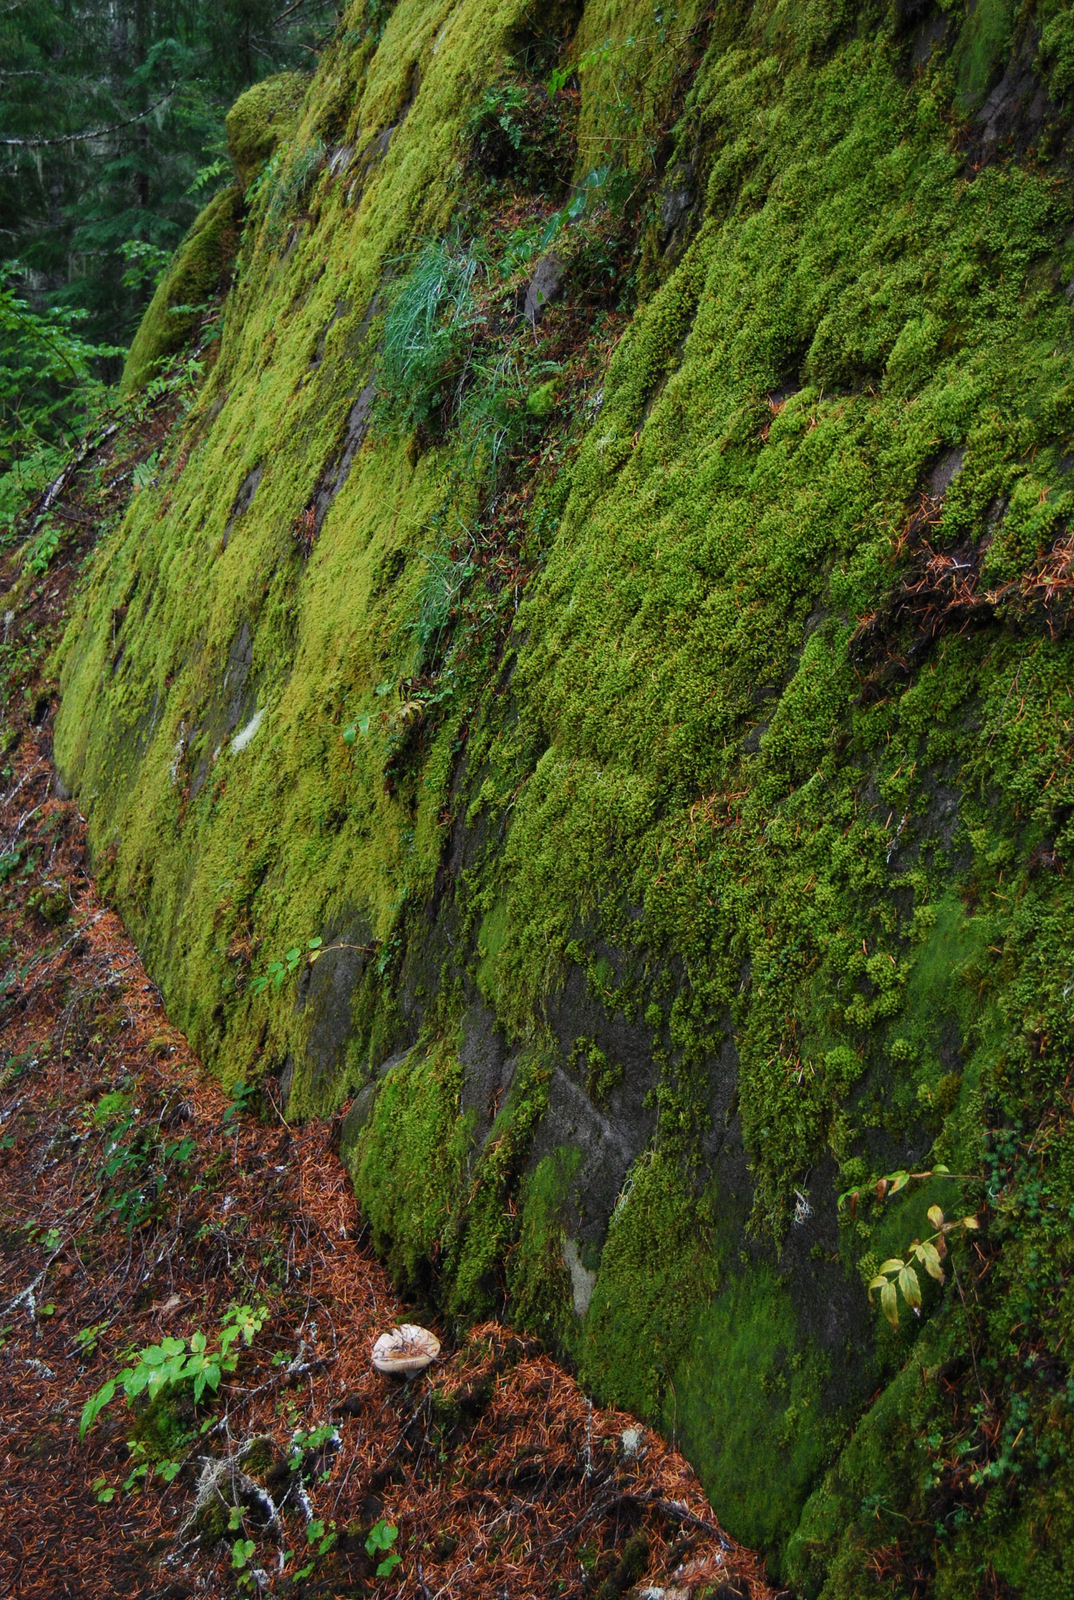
{"points": [[561, 76], [891, 1185], [146, 263], [138, 1165], [241, 1553], [499, 108], [380, 1539], [42, 551], [288, 184], [304, 1445], [899, 1276], [48, 393], [277, 971], [176, 1364], [242, 1096], [145, 471], [87, 1339], [587, 192], [315, 1534]]}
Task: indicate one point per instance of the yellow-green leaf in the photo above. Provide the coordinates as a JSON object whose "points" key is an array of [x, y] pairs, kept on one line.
{"points": [[894, 1265], [911, 1287], [930, 1257], [888, 1304], [936, 1216]]}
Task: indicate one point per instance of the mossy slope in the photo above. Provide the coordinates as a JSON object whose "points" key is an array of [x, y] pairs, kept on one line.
{"points": [[660, 709]]}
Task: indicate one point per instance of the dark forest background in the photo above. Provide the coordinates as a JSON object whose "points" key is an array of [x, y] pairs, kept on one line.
{"points": [[111, 141]]}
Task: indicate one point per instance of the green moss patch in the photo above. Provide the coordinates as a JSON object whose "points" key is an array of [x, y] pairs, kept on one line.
{"points": [[695, 654]]}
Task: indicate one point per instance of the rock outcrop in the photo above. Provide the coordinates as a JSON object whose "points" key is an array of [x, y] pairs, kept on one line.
{"points": [[648, 700]]}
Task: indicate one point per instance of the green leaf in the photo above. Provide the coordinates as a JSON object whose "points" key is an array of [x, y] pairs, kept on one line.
{"points": [[388, 1565], [381, 1537], [94, 1406], [889, 1305], [910, 1285], [929, 1256], [241, 1551], [137, 1380]]}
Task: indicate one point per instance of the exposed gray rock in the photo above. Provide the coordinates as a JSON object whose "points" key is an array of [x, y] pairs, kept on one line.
{"points": [[545, 286]]}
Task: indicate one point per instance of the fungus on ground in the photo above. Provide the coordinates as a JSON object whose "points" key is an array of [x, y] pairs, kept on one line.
{"points": [[405, 1350]]}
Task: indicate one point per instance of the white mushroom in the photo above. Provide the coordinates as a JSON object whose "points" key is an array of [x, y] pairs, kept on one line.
{"points": [[405, 1350]]}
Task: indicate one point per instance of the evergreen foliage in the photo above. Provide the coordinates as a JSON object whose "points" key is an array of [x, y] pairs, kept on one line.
{"points": [[111, 135]]}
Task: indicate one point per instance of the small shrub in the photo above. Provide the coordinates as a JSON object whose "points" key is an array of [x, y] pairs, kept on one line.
{"points": [[178, 1364], [521, 134]]}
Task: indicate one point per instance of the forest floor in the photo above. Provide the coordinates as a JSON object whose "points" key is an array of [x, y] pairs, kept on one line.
{"points": [[210, 1257]]}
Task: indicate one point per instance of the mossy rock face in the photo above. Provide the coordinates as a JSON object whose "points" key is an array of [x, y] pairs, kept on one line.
{"points": [[675, 773], [197, 272], [261, 120]]}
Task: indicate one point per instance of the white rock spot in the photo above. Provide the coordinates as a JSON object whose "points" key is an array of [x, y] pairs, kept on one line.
{"points": [[583, 1281], [244, 735]]}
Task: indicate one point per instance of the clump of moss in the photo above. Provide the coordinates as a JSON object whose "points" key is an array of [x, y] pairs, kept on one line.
{"points": [[198, 272], [261, 120]]}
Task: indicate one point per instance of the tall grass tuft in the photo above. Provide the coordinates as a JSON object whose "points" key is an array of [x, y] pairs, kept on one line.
{"points": [[428, 333]]}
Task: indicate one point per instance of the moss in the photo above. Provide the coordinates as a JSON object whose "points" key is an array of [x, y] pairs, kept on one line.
{"points": [[197, 272], [657, 1266], [659, 723], [537, 1277], [746, 1387], [983, 45], [409, 1163], [261, 120]]}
